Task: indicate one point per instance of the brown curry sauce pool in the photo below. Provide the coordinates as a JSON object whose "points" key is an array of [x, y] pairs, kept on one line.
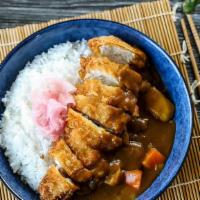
{"points": [[158, 134]]}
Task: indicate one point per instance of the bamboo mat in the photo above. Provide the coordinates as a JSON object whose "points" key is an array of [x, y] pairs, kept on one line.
{"points": [[155, 20]]}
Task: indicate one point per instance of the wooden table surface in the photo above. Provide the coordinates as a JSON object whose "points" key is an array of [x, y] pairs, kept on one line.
{"points": [[18, 12]]}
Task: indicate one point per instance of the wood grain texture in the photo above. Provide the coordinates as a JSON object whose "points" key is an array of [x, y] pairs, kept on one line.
{"points": [[14, 12], [19, 12]]}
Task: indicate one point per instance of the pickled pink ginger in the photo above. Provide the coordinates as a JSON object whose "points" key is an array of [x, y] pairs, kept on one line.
{"points": [[50, 104]]}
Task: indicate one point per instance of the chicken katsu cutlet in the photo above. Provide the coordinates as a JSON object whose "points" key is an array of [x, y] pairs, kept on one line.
{"points": [[111, 95], [108, 116], [117, 50], [54, 186], [110, 73], [66, 160], [93, 135], [87, 155], [100, 68]]}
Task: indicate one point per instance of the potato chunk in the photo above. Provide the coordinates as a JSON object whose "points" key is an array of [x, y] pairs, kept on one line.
{"points": [[115, 175], [158, 105], [134, 178]]}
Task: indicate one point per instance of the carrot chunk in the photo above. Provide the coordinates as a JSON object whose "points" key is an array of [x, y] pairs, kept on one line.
{"points": [[133, 178], [153, 158]]}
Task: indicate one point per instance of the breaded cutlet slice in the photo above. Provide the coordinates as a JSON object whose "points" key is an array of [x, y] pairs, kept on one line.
{"points": [[117, 50], [100, 68], [108, 116], [67, 160], [93, 135], [130, 79], [111, 95], [110, 73], [54, 186], [87, 155]]}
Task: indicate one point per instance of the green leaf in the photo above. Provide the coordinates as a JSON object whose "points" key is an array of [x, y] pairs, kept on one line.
{"points": [[190, 5]]}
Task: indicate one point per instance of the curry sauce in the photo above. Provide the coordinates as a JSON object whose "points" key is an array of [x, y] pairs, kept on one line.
{"points": [[160, 135]]}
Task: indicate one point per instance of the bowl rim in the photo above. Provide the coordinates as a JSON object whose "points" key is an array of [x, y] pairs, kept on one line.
{"points": [[172, 62]]}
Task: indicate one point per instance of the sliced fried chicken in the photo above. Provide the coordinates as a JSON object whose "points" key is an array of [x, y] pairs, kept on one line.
{"points": [[100, 68], [111, 95], [117, 50], [93, 135], [54, 186], [84, 152], [66, 160], [110, 73], [108, 116]]}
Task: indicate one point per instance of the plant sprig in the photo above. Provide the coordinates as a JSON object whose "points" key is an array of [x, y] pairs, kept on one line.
{"points": [[190, 5]]}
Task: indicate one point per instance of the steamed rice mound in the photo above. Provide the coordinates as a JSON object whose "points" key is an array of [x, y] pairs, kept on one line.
{"points": [[25, 146]]}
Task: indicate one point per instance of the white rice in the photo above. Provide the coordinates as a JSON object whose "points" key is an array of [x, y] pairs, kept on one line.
{"points": [[22, 140]]}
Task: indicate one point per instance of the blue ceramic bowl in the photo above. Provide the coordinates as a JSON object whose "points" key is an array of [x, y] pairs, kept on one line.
{"points": [[88, 28]]}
